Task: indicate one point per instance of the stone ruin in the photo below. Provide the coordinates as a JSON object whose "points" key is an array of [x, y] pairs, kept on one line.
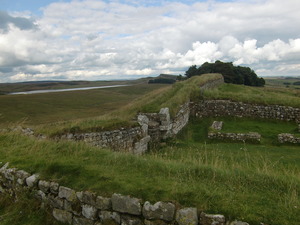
{"points": [[215, 133]]}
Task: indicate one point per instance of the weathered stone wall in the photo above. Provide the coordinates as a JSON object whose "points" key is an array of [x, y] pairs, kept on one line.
{"points": [[288, 138], [216, 108], [244, 137], [215, 133], [88, 208], [154, 127], [131, 140]]}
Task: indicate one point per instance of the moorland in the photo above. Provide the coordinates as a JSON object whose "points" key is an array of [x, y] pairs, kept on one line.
{"points": [[257, 183]]}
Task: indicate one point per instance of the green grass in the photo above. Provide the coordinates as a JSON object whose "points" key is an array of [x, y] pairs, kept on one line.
{"points": [[65, 106], [255, 183], [280, 82], [250, 182], [259, 95], [25, 211], [269, 129], [166, 96]]}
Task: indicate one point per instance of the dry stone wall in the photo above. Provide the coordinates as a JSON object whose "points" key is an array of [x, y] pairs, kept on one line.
{"points": [[215, 133], [216, 108], [131, 140], [153, 128], [288, 138], [88, 208]]}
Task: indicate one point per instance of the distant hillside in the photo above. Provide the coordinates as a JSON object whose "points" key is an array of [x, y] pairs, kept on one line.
{"points": [[164, 79]]}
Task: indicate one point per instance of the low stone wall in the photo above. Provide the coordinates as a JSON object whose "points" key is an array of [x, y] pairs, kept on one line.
{"points": [[216, 108], [288, 138], [154, 127], [216, 126], [87, 208], [131, 140], [252, 137]]}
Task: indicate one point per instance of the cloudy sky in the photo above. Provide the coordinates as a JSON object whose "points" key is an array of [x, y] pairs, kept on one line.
{"points": [[118, 39]]}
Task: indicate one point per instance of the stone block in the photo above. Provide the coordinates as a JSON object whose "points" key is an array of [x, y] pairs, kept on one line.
{"points": [[32, 180], [160, 210], [44, 186], [238, 223], [54, 187], [126, 204], [210, 219], [103, 203], [67, 193], [89, 212], [107, 217], [21, 176], [88, 198], [82, 221], [41, 195], [55, 202], [73, 207], [129, 220], [187, 216], [141, 146], [62, 216], [155, 222], [217, 125]]}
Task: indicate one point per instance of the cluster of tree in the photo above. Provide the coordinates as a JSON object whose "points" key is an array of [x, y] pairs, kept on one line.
{"points": [[162, 81], [296, 83], [232, 74]]}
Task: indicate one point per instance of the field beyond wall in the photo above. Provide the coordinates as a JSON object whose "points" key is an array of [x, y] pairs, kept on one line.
{"points": [[256, 183]]}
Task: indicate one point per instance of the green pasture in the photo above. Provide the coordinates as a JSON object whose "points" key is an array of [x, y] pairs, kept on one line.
{"points": [[256, 183], [36, 109]]}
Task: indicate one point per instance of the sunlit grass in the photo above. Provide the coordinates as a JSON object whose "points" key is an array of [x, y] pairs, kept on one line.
{"points": [[259, 95]]}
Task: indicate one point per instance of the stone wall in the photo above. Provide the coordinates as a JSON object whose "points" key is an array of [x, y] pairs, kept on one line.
{"points": [[154, 127], [160, 126], [215, 133], [252, 137], [216, 108], [88, 208], [288, 138], [131, 140]]}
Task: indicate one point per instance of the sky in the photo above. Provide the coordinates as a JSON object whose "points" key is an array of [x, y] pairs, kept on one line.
{"points": [[128, 39]]}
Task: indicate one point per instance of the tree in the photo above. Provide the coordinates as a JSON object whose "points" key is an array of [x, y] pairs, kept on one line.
{"points": [[232, 74], [192, 71]]}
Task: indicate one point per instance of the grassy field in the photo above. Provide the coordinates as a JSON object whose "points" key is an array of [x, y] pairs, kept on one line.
{"points": [[257, 183], [283, 82], [46, 108], [259, 95]]}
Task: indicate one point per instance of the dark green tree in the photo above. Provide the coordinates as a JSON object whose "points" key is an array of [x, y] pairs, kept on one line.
{"points": [[232, 74], [192, 71]]}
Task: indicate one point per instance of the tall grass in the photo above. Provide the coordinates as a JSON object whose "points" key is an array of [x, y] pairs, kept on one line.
{"points": [[249, 182]]}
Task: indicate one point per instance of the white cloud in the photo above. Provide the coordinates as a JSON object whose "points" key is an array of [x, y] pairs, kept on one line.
{"points": [[98, 39]]}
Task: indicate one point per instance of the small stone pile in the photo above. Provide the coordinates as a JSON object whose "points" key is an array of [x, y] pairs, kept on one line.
{"points": [[87, 208]]}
